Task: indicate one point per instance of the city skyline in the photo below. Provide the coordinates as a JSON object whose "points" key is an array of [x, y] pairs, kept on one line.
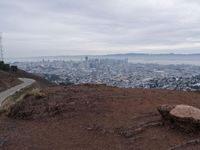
{"points": [[85, 27]]}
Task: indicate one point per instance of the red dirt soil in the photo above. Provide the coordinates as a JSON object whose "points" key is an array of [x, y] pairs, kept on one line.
{"points": [[7, 80], [95, 117]]}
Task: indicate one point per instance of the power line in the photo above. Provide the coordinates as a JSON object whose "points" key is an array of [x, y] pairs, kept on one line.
{"points": [[1, 48]]}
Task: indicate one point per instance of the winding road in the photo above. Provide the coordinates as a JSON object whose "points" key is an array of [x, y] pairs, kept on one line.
{"points": [[13, 90]]}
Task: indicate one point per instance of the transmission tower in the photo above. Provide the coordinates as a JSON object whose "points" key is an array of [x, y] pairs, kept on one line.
{"points": [[1, 48]]}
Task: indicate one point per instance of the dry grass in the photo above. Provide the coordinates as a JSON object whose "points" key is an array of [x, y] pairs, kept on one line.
{"points": [[36, 93], [18, 96]]}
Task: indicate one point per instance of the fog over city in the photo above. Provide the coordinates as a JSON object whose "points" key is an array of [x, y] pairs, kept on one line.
{"points": [[82, 27]]}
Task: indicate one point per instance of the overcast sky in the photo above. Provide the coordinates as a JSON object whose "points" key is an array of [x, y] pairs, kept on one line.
{"points": [[76, 27]]}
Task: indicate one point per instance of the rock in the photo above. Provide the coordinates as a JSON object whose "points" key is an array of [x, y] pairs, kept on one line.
{"points": [[164, 110], [186, 113], [184, 116]]}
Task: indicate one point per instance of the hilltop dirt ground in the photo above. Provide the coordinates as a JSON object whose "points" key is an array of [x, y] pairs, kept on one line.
{"points": [[7, 80], [95, 117]]}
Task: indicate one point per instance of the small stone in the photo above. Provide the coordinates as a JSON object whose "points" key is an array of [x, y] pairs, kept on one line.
{"points": [[164, 110]]}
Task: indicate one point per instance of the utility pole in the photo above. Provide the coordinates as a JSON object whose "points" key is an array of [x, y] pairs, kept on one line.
{"points": [[1, 48]]}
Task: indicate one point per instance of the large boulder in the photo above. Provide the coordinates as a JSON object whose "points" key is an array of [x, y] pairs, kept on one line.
{"points": [[184, 116]]}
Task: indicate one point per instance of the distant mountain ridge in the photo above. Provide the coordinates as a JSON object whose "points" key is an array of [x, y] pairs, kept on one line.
{"points": [[168, 58], [114, 54], [149, 54]]}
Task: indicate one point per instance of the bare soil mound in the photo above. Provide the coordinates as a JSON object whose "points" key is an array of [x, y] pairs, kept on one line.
{"points": [[38, 105]]}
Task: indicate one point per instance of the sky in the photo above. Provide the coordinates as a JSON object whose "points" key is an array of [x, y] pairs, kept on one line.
{"points": [[92, 27]]}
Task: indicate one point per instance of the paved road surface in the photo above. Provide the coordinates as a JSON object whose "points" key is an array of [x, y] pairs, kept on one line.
{"points": [[13, 90]]}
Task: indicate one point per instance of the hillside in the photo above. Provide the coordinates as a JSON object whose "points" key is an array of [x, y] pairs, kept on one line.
{"points": [[88, 117], [7, 80], [41, 81], [10, 79]]}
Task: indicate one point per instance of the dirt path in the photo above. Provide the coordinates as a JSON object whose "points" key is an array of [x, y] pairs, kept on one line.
{"points": [[13, 90]]}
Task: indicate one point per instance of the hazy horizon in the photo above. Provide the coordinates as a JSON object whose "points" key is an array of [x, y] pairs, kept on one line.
{"points": [[83, 55], [98, 27]]}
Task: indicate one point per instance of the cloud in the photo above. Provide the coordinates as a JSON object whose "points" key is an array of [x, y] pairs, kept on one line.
{"points": [[72, 27]]}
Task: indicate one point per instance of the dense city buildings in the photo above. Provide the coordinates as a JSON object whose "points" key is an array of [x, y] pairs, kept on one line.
{"points": [[116, 72]]}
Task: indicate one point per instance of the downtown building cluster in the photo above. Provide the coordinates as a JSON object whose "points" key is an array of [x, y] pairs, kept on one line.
{"points": [[116, 72]]}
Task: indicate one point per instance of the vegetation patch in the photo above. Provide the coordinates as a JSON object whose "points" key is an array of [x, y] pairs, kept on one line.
{"points": [[18, 96]]}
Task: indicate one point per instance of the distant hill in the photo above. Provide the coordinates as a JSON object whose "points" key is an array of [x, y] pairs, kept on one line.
{"points": [[156, 56], [146, 54]]}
